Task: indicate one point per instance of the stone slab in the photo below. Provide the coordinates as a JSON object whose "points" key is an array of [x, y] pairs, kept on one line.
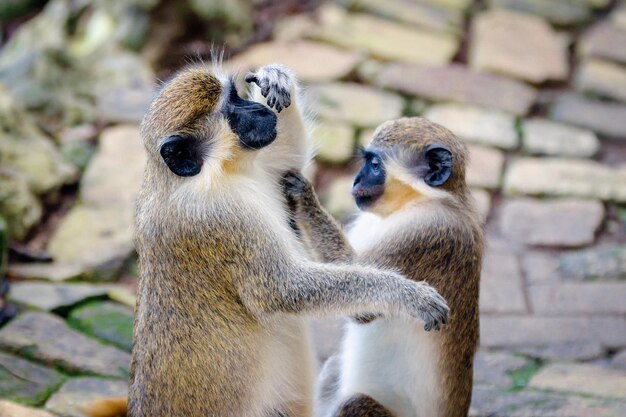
{"points": [[52, 271], [338, 198], [605, 118], [108, 321], [26, 382], [482, 200], [600, 263], [580, 298], [603, 40], [46, 296], [501, 286], [581, 378], [10, 409], [476, 125], [458, 84], [563, 222], [563, 12], [604, 78], [493, 368], [560, 177], [523, 330], [517, 45], [334, 142], [545, 137], [80, 391], [485, 167], [49, 339], [564, 352]]}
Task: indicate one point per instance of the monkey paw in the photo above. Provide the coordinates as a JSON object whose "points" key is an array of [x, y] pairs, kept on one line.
{"points": [[276, 83], [295, 186], [431, 307]]}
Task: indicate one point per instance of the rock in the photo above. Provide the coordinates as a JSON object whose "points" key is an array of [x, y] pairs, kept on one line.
{"points": [[108, 321], [603, 40], [48, 339], [458, 5], [235, 14], [97, 241], [618, 17], [46, 296], [390, 41], [563, 222], [564, 12], [476, 125], [355, 104], [45, 271], [562, 177], [522, 330], [334, 142], [27, 382], [541, 268], [304, 57], [125, 104], [544, 137], [26, 151], [618, 361], [365, 137], [601, 262], [517, 45], [326, 334], [458, 83], [9, 409], [602, 77], [338, 198], [588, 298], [428, 15], [493, 368], [18, 204], [485, 167], [570, 351], [501, 286], [482, 200], [81, 391], [581, 378], [123, 296], [120, 160]]}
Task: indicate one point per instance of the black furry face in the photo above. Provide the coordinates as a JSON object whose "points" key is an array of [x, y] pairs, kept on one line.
{"points": [[182, 155], [253, 123], [369, 183]]}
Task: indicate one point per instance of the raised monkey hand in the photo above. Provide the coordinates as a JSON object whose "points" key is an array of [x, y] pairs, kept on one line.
{"points": [[276, 83]]}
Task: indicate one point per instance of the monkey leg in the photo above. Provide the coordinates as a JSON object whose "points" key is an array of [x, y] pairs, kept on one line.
{"points": [[362, 405]]}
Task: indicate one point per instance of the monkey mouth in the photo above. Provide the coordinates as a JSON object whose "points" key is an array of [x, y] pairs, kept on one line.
{"points": [[366, 196]]}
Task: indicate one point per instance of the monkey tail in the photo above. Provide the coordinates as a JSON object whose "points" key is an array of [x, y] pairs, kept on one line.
{"points": [[106, 407]]}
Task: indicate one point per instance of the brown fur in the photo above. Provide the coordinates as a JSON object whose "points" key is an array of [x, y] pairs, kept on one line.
{"points": [[362, 405], [445, 251]]}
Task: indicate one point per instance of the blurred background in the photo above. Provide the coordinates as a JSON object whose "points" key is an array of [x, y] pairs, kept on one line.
{"points": [[537, 88]]}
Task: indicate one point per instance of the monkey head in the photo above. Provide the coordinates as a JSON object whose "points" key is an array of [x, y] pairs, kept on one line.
{"points": [[199, 122], [409, 159]]}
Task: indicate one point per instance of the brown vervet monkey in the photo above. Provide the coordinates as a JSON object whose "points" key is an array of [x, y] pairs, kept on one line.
{"points": [[419, 218], [224, 287]]}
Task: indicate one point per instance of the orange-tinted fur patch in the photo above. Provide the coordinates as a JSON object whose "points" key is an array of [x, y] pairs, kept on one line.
{"points": [[397, 194]]}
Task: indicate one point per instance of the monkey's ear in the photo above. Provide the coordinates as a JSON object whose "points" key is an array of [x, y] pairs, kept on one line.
{"points": [[181, 156], [439, 159]]}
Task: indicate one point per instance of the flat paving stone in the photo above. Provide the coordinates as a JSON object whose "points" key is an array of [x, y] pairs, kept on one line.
{"points": [[581, 378], [334, 142], [52, 271], [458, 84], [476, 125], [564, 352], [485, 167], [567, 12], [618, 361], [338, 198], [603, 78], [599, 263], [355, 104], [49, 339], [482, 200], [80, 391], [108, 321], [389, 41], [26, 382], [10, 409], [493, 368], [517, 45], [47, 296], [560, 177], [603, 40], [501, 286], [541, 267], [583, 298], [605, 118], [126, 104], [304, 57], [563, 222], [522, 330], [545, 137]]}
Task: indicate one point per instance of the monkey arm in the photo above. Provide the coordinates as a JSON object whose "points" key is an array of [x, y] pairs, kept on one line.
{"points": [[321, 231]]}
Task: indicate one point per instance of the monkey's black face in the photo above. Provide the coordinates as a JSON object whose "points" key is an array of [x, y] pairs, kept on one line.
{"points": [[253, 123], [369, 183]]}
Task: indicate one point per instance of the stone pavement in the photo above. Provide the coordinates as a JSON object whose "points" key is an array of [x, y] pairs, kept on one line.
{"points": [[537, 89]]}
